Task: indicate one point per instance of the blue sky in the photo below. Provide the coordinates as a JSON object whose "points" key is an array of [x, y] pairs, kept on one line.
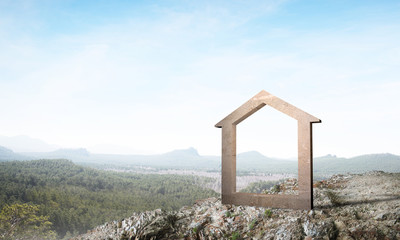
{"points": [[153, 76]]}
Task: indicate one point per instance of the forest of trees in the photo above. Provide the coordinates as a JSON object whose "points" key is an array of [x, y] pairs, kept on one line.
{"points": [[76, 198]]}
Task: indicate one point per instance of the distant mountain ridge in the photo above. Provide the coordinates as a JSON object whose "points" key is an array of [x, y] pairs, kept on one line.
{"points": [[8, 154], [190, 152], [67, 153], [23, 143], [190, 159], [331, 164]]}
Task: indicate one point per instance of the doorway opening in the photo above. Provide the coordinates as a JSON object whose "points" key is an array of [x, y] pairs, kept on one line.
{"points": [[267, 152]]}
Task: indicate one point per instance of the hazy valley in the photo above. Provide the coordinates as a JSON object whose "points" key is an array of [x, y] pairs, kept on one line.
{"points": [[251, 166]]}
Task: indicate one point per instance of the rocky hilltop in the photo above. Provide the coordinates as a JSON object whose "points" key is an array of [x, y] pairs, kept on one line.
{"points": [[346, 207]]}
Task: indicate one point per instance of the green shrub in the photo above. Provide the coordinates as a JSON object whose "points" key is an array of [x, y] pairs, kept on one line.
{"points": [[268, 213], [276, 188], [22, 221], [235, 236], [228, 214], [252, 224]]}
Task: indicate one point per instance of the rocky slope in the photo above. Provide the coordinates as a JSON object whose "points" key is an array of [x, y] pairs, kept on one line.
{"points": [[346, 207]]}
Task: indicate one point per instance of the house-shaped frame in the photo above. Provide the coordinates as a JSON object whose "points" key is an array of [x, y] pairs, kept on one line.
{"points": [[304, 200]]}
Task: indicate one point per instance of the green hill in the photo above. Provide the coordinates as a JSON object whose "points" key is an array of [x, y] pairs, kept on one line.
{"points": [[78, 198]]}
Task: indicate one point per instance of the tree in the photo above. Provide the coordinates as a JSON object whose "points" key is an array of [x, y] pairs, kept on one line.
{"points": [[19, 221]]}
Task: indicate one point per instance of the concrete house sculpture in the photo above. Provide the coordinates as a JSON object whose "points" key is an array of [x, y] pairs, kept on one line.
{"points": [[304, 200]]}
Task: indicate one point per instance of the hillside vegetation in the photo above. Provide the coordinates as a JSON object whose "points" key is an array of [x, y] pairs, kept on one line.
{"points": [[77, 198]]}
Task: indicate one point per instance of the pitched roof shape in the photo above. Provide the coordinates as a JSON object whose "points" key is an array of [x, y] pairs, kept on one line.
{"points": [[260, 100], [304, 200]]}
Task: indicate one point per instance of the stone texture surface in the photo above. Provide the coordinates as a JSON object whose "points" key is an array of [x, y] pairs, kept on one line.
{"points": [[304, 200], [346, 207]]}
